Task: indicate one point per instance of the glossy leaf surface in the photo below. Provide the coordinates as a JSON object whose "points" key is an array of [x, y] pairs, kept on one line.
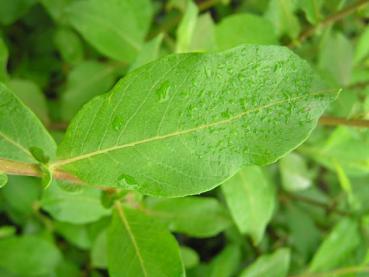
{"points": [[185, 123]]}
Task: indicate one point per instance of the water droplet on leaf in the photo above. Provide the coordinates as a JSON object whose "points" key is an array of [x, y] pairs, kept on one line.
{"points": [[163, 92], [118, 122]]}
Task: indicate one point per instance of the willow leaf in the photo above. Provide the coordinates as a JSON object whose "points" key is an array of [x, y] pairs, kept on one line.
{"points": [[187, 122], [139, 246], [21, 131]]}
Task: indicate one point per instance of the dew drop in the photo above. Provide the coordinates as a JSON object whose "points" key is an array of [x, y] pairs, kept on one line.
{"points": [[117, 123], [163, 92]]}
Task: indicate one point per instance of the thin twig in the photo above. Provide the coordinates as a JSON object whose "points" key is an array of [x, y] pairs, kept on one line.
{"points": [[337, 272], [27, 169], [316, 203], [329, 20], [334, 121]]}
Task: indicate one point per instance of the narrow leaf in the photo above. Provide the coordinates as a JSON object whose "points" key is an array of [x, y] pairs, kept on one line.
{"points": [[274, 265], [337, 246], [139, 246], [186, 28], [185, 123]]}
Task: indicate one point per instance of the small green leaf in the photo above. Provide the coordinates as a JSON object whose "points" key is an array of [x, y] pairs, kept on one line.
{"points": [[32, 96], [148, 246], [348, 146], [149, 52], [336, 58], [84, 82], [189, 257], [114, 27], [186, 28], [194, 216], [282, 14], [185, 123], [250, 198], [226, 263], [76, 234], [20, 196], [28, 256], [244, 28], [203, 37], [312, 9], [362, 47], [78, 207], [69, 45], [273, 265], [337, 246], [294, 173], [99, 251]]}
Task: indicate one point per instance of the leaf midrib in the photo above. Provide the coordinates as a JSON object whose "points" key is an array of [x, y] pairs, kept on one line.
{"points": [[179, 133], [16, 144], [124, 220]]}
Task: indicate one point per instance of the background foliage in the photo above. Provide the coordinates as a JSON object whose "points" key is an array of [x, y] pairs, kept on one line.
{"points": [[305, 215]]}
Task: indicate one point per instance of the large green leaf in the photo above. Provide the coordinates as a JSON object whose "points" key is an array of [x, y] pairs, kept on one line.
{"points": [[21, 133], [194, 216], [185, 123], [244, 28], [28, 256], [273, 265], [115, 27], [139, 246], [250, 198]]}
